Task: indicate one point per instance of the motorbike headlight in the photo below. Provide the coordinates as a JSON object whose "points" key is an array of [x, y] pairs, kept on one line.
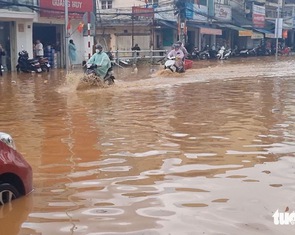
{"points": [[7, 139]]}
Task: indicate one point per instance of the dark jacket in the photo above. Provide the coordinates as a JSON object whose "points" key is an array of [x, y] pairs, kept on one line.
{"points": [[2, 53]]}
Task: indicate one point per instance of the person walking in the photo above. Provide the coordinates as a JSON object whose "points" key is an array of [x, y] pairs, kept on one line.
{"points": [[2, 53], [39, 50], [72, 53]]}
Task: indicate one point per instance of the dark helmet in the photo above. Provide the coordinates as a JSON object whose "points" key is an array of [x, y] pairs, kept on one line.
{"points": [[98, 46], [23, 53], [176, 45]]}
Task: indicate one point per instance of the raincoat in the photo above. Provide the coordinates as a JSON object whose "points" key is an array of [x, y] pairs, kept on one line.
{"points": [[72, 53], [178, 54], [103, 61]]}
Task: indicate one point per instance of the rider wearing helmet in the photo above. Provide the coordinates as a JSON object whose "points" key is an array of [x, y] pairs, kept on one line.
{"points": [[178, 54], [101, 61], [184, 50]]}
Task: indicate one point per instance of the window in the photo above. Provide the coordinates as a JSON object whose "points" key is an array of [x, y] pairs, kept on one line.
{"points": [[203, 2], [106, 4], [152, 1]]}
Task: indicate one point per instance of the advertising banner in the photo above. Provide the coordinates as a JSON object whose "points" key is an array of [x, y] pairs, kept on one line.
{"points": [[223, 12], [56, 8], [258, 16]]}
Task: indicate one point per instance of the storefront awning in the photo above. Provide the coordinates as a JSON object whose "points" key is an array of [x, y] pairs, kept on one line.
{"points": [[245, 33], [207, 29], [211, 31], [267, 33], [250, 33]]}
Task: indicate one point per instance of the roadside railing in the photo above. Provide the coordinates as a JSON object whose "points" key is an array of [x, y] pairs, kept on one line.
{"points": [[132, 57]]}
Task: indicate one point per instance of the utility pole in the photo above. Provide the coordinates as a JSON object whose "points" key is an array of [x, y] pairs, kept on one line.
{"points": [[279, 24], [181, 11], [67, 35], [277, 31]]}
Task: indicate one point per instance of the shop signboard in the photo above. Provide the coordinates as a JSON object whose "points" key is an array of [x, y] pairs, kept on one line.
{"points": [[258, 16], [223, 12], [56, 8]]}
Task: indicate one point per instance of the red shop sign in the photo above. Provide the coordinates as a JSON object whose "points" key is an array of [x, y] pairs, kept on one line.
{"points": [[56, 8]]}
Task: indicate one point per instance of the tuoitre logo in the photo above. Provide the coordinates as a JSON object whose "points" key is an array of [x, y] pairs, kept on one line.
{"points": [[284, 218]]}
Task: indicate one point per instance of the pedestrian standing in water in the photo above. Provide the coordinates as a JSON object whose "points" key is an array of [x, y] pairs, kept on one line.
{"points": [[72, 53], [2, 53], [39, 49]]}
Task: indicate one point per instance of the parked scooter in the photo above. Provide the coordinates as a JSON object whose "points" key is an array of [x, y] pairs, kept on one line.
{"points": [[220, 53], [204, 54], [44, 63], [27, 65], [195, 55], [227, 53], [244, 52], [171, 65], [235, 52]]}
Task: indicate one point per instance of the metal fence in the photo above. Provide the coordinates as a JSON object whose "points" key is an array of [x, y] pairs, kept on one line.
{"points": [[132, 57]]}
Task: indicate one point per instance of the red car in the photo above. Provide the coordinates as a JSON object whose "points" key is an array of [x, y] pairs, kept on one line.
{"points": [[16, 175]]}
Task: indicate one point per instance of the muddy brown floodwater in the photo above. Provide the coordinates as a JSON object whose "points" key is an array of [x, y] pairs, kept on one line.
{"points": [[207, 152]]}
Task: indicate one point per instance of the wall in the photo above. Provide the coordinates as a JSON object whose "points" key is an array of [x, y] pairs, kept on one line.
{"points": [[22, 38]]}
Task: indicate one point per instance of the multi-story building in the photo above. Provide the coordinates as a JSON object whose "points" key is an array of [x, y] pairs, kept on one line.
{"points": [[153, 24]]}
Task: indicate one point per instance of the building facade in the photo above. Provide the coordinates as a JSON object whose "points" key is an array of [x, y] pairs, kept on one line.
{"points": [[152, 24]]}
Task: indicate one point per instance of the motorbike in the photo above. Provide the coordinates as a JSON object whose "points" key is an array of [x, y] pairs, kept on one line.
{"points": [[227, 53], [244, 52], [171, 65], [44, 63], [91, 78], [27, 65], [205, 54], [220, 53], [235, 52], [195, 53]]}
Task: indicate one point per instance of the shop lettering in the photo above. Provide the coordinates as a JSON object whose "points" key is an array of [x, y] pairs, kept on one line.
{"points": [[76, 4], [61, 3]]}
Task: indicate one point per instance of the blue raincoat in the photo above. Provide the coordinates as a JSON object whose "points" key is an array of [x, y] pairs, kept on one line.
{"points": [[72, 53]]}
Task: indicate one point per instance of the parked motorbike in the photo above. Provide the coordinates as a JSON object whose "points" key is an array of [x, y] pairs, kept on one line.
{"points": [[220, 53], [253, 51], [284, 51], [244, 52], [195, 55], [227, 53], [91, 78], [171, 65], [44, 63], [204, 54], [27, 65], [223, 54], [235, 51]]}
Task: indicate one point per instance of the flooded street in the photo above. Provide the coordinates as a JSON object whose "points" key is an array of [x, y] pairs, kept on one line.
{"points": [[208, 152]]}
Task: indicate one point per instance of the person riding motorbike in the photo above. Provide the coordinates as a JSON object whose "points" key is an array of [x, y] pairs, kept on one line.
{"points": [[101, 62], [179, 56], [183, 49]]}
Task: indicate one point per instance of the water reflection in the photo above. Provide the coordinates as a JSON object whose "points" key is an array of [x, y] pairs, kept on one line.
{"points": [[160, 155]]}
